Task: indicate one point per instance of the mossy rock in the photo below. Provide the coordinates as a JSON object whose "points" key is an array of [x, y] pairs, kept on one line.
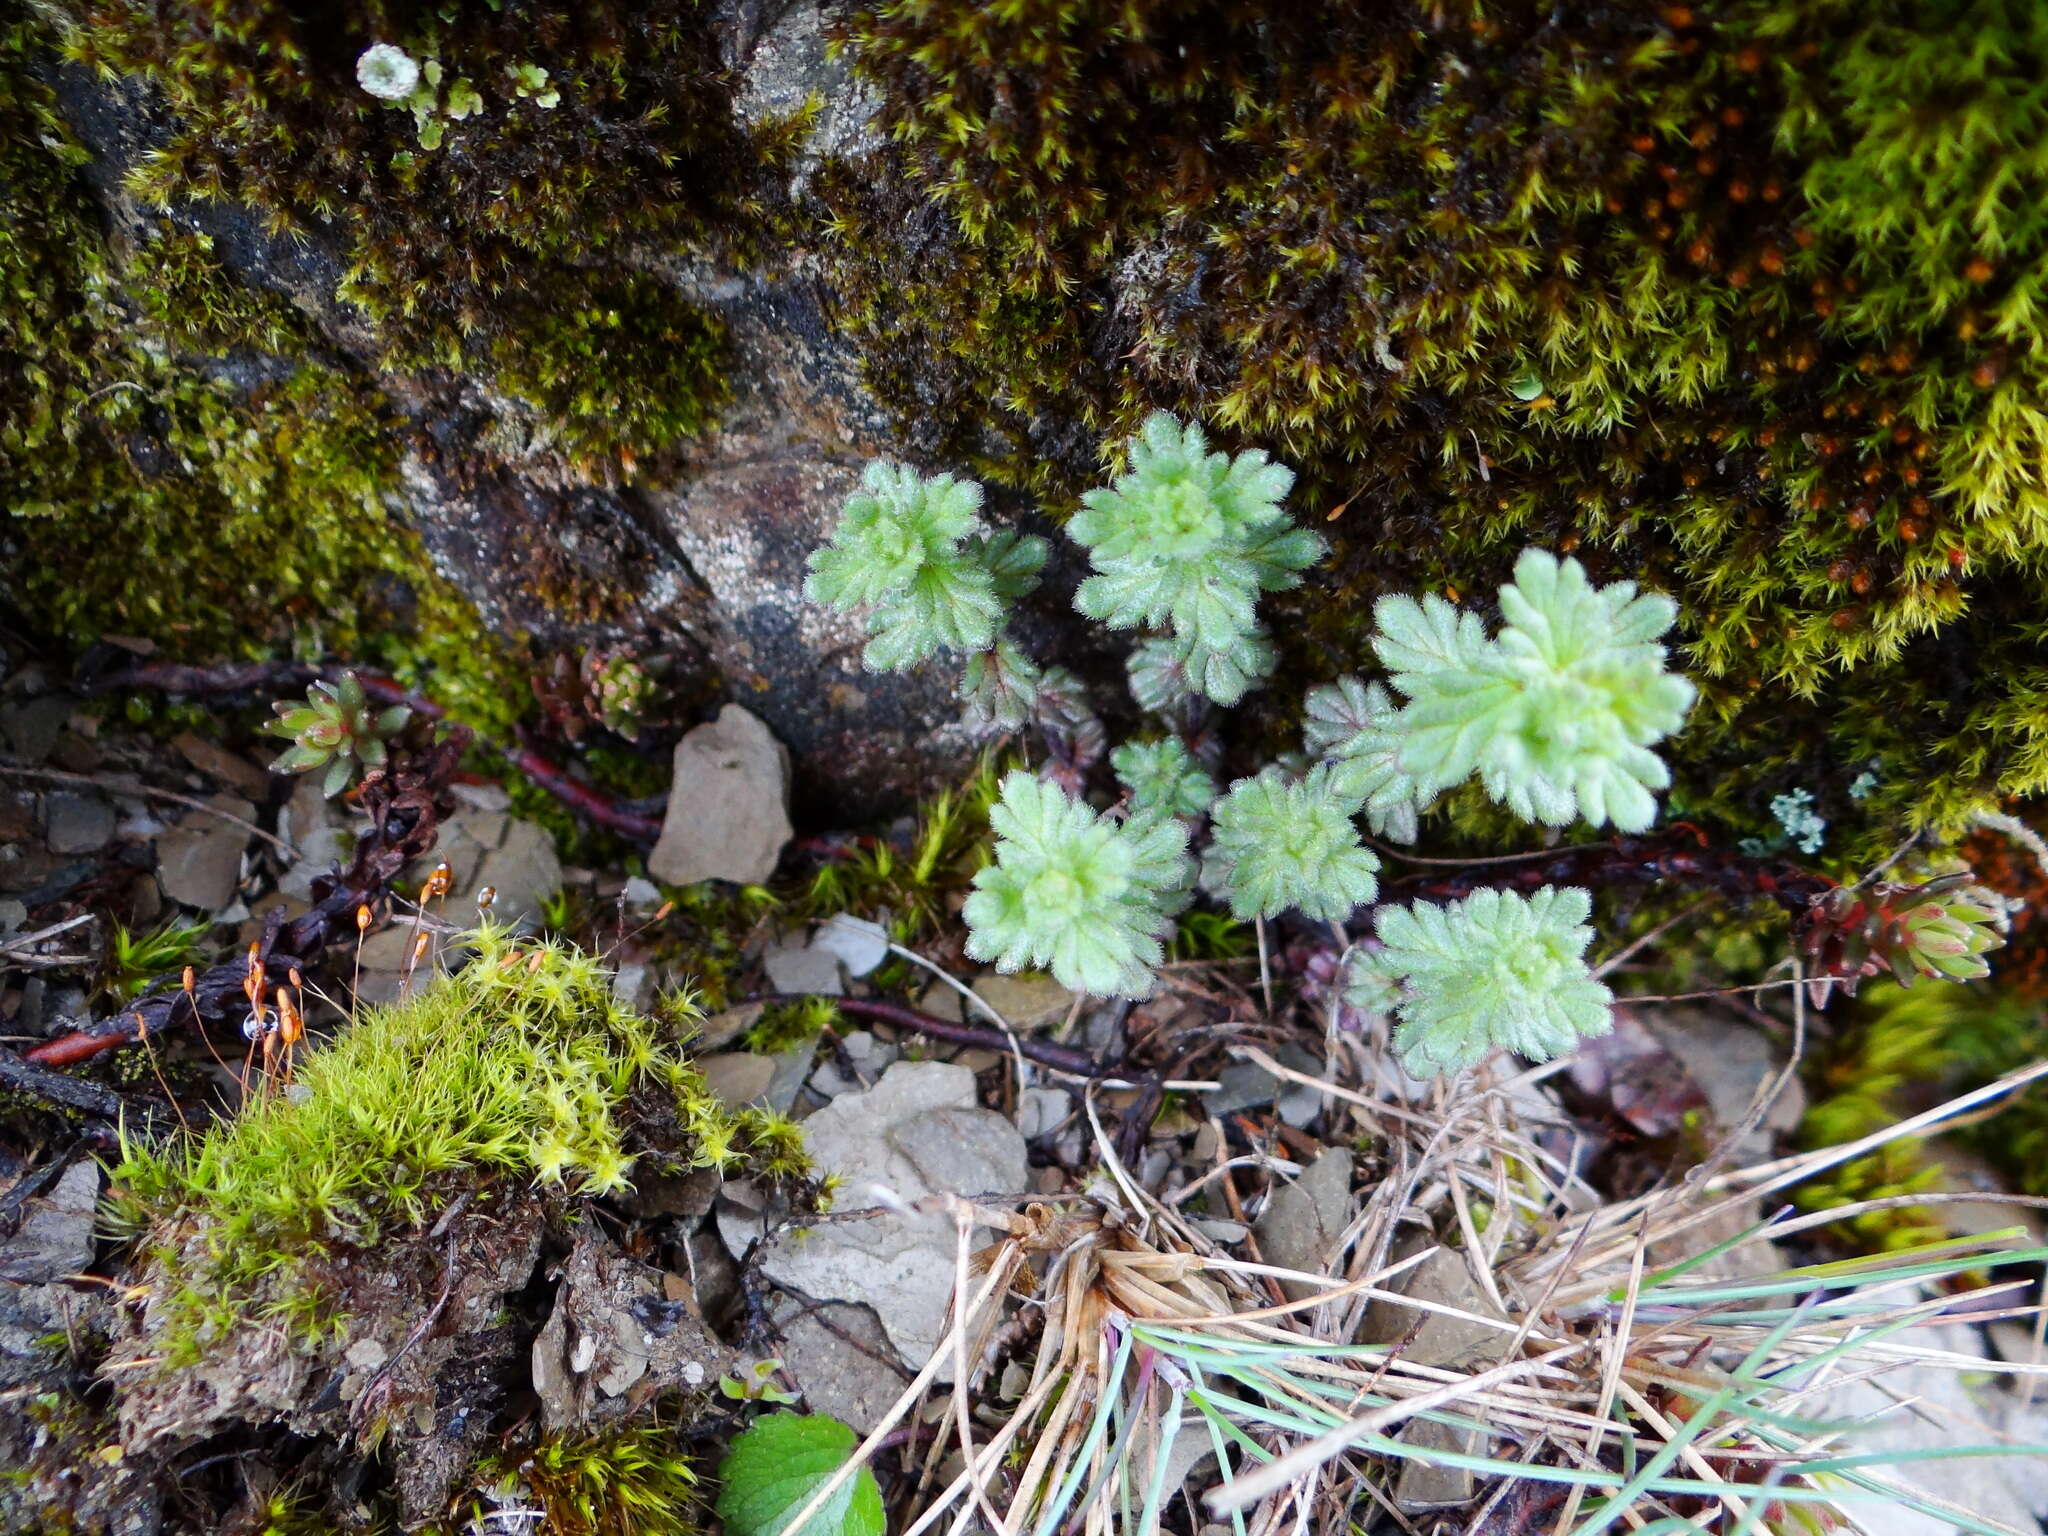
{"points": [[1738, 299], [414, 1167]]}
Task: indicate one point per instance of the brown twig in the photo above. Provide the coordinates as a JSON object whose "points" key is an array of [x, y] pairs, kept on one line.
{"points": [[1044, 1052]]}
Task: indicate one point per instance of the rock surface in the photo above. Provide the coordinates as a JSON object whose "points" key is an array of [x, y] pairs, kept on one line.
{"points": [[917, 1132], [728, 805], [1303, 1220], [621, 1333], [199, 861]]}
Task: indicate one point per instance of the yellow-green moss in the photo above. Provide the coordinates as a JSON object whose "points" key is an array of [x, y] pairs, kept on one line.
{"points": [[632, 1482], [521, 1067], [1894, 1052], [619, 371]]}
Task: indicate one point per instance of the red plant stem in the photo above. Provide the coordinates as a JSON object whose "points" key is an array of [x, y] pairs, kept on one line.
{"points": [[581, 797], [1062, 1057]]}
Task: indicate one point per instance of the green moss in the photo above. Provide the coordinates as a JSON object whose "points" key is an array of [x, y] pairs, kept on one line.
{"points": [[913, 888], [636, 1482], [474, 238], [1894, 1053], [218, 509], [1734, 299], [190, 300], [619, 371], [785, 1026], [519, 1068]]}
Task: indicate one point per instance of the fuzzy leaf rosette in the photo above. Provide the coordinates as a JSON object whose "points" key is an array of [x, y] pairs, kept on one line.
{"points": [[1496, 970], [1075, 892]]}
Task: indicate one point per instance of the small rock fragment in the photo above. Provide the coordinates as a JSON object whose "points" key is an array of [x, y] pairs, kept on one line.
{"points": [[1303, 1221], [738, 1077], [55, 1236], [31, 729], [76, 823], [310, 823], [855, 1382], [793, 968], [868, 1057], [1246, 1085], [728, 815], [231, 770], [523, 868], [1026, 1001], [199, 861], [860, 945], [917, 1132]]}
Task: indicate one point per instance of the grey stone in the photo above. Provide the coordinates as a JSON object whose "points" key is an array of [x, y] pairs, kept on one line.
{"points": [[232, 771], [634, 986], [792, 1070], [482, 797], [917, 1132], [12, 915], [1438, 1338], [31, 729], [854, 1383], [1918, 1407], [199, 861], [310, 822], [1730, 1060], [722, 1028], [859, 944], [55, 1236], [24, 865], [1041, 1111], [795, 968], [76, 823], [1026, 1001], [728, 806], [738, 1077], [1302, 1222], [1246, 1085], [869, 1058]]}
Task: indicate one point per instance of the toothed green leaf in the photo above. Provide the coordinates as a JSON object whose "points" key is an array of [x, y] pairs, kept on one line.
{"points": [[778, 1464], [1074, 892]]}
